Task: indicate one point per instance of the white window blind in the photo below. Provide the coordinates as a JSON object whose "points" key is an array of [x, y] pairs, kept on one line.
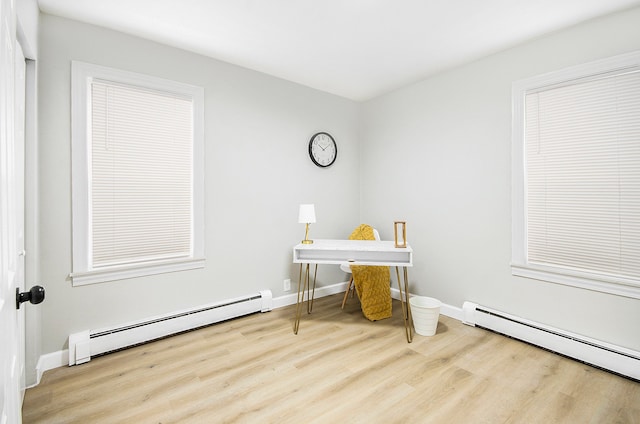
{"points": [[141, 179], [582, 175], [137, 175]]}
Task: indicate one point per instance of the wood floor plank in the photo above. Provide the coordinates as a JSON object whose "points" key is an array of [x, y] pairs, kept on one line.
{"points": [[340, 367]]}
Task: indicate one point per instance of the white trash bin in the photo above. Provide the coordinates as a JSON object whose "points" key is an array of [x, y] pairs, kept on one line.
{"points": [[425, 312]]}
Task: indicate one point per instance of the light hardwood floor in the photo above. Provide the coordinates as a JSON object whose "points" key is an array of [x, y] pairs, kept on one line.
{"points": [[339, 368]]}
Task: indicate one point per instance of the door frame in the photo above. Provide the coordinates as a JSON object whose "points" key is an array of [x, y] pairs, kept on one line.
{"points": [[32, 274], [19, 130], [10, 398]]}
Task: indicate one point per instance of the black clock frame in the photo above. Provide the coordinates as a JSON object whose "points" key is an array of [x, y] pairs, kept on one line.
{"points": [[335, 145]]}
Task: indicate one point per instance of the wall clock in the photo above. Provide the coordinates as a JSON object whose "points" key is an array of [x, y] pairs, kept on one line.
{"points": [[323, 149]]}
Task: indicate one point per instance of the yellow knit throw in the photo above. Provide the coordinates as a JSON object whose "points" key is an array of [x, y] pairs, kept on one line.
{"points": [[372, 282]]}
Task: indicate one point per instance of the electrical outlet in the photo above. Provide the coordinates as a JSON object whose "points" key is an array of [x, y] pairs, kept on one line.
{"points": [[287, 285]]}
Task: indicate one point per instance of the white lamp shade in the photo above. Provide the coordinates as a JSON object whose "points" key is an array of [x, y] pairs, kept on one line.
{"points": [[307, 214]]}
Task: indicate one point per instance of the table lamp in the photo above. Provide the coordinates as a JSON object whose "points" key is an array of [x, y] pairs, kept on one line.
{"points": [[307, 216]]}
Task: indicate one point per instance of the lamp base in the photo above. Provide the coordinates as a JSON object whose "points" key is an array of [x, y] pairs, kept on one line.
{"points": [[307, 241]]}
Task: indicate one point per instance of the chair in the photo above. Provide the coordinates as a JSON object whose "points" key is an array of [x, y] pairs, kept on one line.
{"points": [[347, 268]]}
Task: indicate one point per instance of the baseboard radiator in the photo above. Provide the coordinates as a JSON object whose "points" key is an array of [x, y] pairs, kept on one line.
{"points": [[85, 344], [613, 358]]}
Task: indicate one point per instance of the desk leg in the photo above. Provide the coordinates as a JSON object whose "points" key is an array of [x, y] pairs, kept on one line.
{"points": [[300, 298], [312, 295], [304, 285], [404, 301]]}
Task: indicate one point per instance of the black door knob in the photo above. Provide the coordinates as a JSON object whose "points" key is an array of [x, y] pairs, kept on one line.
{"points": [[35, 296]]}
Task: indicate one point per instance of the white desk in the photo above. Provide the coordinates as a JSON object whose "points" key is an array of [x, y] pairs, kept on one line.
{"points": [[353, 252]]}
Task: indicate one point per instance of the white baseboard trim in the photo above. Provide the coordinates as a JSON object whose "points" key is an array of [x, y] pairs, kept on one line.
{"points": [[291, 299], [50, 361], [446, 310]]}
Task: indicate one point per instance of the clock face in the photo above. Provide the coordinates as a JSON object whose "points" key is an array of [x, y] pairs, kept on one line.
{"points": [[323, 149]]}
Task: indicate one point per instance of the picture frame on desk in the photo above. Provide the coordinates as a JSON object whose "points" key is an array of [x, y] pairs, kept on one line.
{"points": [[400, 233]]}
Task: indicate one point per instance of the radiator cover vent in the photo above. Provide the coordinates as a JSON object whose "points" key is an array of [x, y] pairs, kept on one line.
{"points": [[616, 359], [85, 344]]}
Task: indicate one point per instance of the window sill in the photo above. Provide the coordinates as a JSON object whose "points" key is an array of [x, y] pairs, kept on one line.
{"points": [[618, 287], [132, 271]]}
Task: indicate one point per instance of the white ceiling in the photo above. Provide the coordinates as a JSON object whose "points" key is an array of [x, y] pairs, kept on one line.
{"points": [[357, 49]]}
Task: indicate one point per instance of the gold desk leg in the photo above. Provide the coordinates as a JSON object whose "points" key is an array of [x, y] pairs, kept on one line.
{"points": [[300, 298], [302, 287], [404, 301], [313, 293], [409, 317]]}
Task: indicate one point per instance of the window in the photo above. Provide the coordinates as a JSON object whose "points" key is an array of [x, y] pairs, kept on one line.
{"points": [[576, 176], [137, 175]]}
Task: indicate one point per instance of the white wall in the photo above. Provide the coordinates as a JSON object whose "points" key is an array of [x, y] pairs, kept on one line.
{"points": [[436, 154], [257, 173], [449, 137]]}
